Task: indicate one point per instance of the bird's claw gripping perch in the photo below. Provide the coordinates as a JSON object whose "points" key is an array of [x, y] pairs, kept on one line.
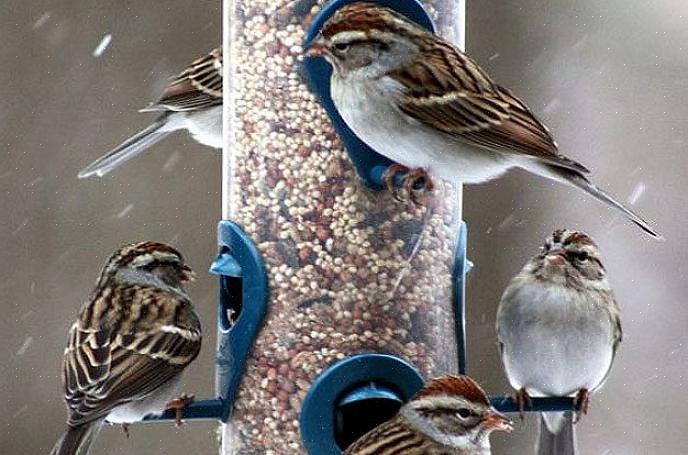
{"points": [[415, 184], [582, 404], [522, 398], [179, 404], [418, 185], [389, 179]]}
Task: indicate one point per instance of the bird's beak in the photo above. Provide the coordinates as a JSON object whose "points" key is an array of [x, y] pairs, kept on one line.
{"points": [[317, 48], [496, 421], [188, 275], [556, 256]]}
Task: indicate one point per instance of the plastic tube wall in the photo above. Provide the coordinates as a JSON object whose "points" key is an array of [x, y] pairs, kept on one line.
{"points": [[350, 270]]}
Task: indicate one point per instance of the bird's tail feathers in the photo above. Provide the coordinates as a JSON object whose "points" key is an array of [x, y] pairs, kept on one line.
{"points": [[557, 434], [578, 180], [77, 440], [130, 148]]}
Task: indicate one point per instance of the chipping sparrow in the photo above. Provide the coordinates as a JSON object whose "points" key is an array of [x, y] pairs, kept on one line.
{"points": [[450, 415], [559, 327], [417, 99], [192, 101], [129, 345]]}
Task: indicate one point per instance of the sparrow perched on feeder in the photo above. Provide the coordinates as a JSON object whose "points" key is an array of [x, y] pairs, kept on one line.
{"points": [[420, 101], [450, 415], [192, 101], [131, 342], [559, 326]]}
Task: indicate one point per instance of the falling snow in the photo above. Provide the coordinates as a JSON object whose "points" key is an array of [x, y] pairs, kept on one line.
{"points": [[25, 346], [20, 227], [506, 223], [35, 181], [125, 211], [637, 193], [21, 411], [102, 46], [552, 106], [41, 21], [172, 161]]}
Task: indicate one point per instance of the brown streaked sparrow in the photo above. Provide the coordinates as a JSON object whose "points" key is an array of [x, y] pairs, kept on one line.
{"points": [[129, 345], [192, 101], [559, 327], [450, 415], [420, 101]]}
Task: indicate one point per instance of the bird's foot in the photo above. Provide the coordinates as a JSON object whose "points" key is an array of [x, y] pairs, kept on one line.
{"points": [[418, 185], [522, 398], [390, 176], [179, 404], [125, 429], [582, 404]]}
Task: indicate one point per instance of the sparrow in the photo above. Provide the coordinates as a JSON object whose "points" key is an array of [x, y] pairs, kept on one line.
{"points": [[420, 101], [192, 101], [559, 328], [451, 415], [129, 345]]}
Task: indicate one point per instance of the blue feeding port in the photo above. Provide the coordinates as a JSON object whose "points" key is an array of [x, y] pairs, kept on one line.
{"points": [[352, 397], [243, 304], [370, 165], [359, 393], [363, 409]]}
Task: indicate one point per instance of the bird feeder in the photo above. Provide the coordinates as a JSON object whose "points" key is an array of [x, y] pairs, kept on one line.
{"points": [[363, 289], [336, 300]]}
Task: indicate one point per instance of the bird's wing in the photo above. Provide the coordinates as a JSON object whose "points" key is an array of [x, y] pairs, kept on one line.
{"points": [[391, 435], [128, 356], [617, 334], [198, 86], [445, 89]]}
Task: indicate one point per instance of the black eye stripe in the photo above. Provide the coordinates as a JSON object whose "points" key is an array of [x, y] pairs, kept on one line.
{"points": [[592, 259], [345, 45], [581, 255], [444, 411], [160, 263]]}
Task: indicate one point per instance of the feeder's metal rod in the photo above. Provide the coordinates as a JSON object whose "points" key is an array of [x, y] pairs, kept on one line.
{"points": [[198, 410], [459, 278], [549, 404]]}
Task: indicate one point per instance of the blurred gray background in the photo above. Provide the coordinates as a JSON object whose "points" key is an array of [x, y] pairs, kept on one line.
{"points": [[609, 78]]}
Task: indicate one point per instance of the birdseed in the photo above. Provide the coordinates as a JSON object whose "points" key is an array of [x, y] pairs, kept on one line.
{"points": [[343, 271]]}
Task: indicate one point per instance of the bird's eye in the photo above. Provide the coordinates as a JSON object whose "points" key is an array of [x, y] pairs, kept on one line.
{"points": [[341, 47], [464, 413], [582, 256]]}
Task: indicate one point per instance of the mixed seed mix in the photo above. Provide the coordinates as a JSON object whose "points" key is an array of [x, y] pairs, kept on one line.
{"points": [[351, 270]]}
